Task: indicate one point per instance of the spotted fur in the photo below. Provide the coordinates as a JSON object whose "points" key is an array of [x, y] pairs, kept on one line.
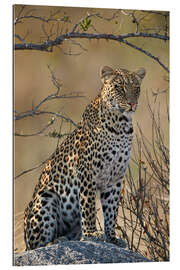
{"points": [[94, 157]]}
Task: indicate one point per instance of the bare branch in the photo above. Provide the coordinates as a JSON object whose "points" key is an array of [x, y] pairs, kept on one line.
{"points": [[32, 169], [114, 16], [36, 111], [146, 53], [37, 133], [80, 28], [48, 45], [20, 38], [19, 19], [61, 38]]}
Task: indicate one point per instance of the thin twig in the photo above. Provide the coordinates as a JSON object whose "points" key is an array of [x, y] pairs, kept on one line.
{"points": [[43, 19], [34, 134], [33, 113], [31, 169], [146, 53]]}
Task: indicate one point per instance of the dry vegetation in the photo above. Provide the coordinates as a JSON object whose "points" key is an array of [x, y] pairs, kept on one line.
{"points": [[144, 209], [145, 206]]}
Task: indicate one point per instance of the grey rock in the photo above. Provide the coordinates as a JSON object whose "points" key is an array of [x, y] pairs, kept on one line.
{"points": [[76, 252]]}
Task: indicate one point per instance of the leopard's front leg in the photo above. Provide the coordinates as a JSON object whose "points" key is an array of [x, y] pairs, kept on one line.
{"points": [[110, 203], [88, 207]]}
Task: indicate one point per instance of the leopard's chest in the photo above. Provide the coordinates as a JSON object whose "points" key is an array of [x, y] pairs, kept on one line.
{"points": [[112, 161]]}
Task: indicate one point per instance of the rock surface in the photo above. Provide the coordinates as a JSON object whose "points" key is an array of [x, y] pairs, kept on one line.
{"points": [[75, 252]]}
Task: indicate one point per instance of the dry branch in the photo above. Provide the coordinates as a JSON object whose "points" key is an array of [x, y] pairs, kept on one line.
{"points": [[80, 28]]}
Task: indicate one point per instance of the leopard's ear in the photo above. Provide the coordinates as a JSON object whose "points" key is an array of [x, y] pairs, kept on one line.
{"points": [[141, 73], [107, 74]]}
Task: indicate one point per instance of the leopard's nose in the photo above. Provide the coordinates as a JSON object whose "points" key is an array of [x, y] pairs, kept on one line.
{"points": [[133, 106]]}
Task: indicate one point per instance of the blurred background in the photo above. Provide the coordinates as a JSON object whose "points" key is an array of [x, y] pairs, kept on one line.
{"points": [[76, 63]]}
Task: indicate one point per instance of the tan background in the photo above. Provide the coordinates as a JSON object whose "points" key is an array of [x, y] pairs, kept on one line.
{"points": [[79, 73]]}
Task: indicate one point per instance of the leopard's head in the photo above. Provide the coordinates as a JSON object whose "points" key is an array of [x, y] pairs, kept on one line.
{"points": [[121, 88]]}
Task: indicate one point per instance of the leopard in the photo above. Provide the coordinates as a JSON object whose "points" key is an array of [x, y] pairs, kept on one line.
{"points": [[92, 159]]}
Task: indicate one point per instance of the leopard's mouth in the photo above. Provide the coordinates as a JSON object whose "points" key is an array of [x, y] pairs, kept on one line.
{"points": [[129, 107], [133, 106]]}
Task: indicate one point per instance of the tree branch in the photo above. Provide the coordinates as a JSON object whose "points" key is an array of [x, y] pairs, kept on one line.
{"points": [[147, 53], [36, 133], [48, 45], [36, 110], [31, 169], [58, 41]]}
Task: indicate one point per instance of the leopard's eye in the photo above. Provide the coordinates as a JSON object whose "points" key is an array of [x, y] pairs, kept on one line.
{"points": [[116, 86], [124, 89], [137, 90]]}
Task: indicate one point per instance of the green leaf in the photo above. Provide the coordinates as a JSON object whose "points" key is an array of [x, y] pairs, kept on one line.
{"points": [[85, 24]]}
